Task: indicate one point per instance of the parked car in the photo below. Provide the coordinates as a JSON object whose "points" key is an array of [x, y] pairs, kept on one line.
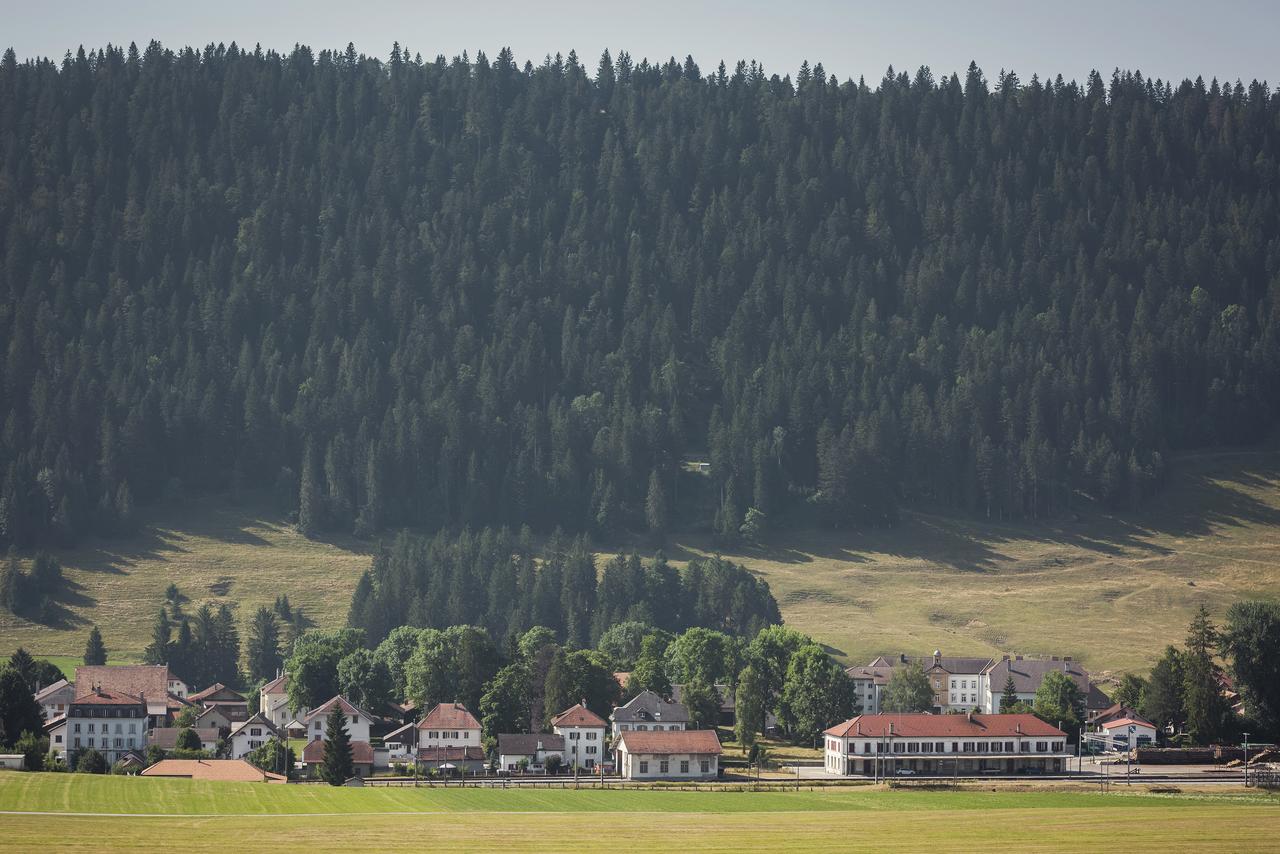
{"points": [[905, 772]]}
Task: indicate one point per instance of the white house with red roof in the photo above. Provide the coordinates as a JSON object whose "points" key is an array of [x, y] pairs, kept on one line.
{"points": [[358, 720], [448, 738], [894, 744], [583, 732], [1130, 732], [111, 722], [247, 736], [668, 754]]}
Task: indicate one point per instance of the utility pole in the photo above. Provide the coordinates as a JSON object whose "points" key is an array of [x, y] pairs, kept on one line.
{"points": [[1246, 760]]}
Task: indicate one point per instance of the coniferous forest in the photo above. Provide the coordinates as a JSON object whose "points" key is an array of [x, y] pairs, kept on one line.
{"points": [[442, 293]]}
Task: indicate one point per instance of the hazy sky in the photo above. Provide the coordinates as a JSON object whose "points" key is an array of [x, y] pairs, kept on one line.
{"points": [[1228, 39]]}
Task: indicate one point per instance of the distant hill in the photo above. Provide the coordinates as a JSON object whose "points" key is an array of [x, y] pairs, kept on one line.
{"points": [[1110, 589], [428, 293]]}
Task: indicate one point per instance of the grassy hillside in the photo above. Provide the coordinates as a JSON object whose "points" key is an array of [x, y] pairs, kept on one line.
{"points": [[138, 814], [1111, 590]]}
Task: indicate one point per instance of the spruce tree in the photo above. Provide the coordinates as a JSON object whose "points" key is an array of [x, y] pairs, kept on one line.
{"points": [[262, 651], [1009, 697], [655, 506], [157, 652], [1207, 710], [338, 766], [95, 651]]}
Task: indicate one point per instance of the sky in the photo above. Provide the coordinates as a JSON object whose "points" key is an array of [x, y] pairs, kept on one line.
{"points": [[1172, 40]]}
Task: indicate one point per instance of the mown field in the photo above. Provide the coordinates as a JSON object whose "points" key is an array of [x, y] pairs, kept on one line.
{"points": [[1109, 589], [136, 814]]}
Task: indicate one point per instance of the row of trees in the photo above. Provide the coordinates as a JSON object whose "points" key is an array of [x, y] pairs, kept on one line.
{"points": [[502, 582], [467, 292]]}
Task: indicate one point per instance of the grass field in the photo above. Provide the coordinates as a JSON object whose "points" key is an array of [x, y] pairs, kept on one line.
{"points": [[106, 813], [1112, 590]]}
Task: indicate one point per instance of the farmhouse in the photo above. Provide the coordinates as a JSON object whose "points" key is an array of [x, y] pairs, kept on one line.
{"points": [[890, 744], [583, 732], [528, 749], [647, 712], [166, 737], [668, 755]]}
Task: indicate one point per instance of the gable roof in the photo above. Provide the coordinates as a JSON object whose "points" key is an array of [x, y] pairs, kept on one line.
{"points": [[667, 742], [256, 720], [449, 716], [1028, 673], [166, 737], [450, 754], [235, 770], [279, 685], [947, 663], [54, 688], [878, 674], [578, 715], [404, 731], [149, 681], [323, 710], [648, 706], [361, 752], [1135, 720], [217, 691], [944, 726], [528, 743]]}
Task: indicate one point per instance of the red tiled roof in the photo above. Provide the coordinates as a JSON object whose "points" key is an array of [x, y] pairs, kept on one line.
{"points": [[450, 754], [449, 716], [217, 688], [150, 681], [235, 770], [1126, 721], [105, 697], [166, 737], [578, 715], [944, 726], [256, 720], [322, 711], [279, 685], [671, 741], [361, 752]]}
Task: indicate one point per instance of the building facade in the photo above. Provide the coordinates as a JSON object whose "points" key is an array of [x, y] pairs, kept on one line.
{"points": [[584, 736], [668, 755], [111, 722], [647, 712], [890, 745]]}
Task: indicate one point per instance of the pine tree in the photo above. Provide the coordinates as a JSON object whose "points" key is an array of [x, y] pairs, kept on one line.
{"points": [[1206, 709], [310, 496], [338, 765], [1009, 697], [655, 506], [95, 651], [263, 649], [157, 652]]}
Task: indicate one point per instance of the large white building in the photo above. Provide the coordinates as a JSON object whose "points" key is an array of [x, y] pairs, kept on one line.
{"points": [[888, 745], [273, 703], [449, 735], [647, 712], [358, 720], [110, 722]]}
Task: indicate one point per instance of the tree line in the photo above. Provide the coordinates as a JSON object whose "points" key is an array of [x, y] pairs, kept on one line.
{"points": [[446, 292]]}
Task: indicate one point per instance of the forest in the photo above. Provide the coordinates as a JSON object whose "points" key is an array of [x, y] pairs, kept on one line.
{"points": [[431, 293]]}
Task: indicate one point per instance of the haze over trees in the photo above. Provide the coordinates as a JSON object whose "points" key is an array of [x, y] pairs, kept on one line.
{"points": [[464, 292]]}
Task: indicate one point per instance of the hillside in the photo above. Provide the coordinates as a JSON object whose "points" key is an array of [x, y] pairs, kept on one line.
{"points": [[1110, 590]]}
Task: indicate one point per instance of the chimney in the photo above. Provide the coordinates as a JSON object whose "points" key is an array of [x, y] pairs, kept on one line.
{"points": [[969, 715]]}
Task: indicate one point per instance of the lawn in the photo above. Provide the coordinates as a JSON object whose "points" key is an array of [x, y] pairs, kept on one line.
{"points": [[1111, 590], [138, 814]]}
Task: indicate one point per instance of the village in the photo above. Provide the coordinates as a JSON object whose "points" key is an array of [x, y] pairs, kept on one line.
{"points": [[146, 720]]}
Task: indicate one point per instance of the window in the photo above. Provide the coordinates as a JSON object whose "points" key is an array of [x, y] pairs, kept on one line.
{"points": [[968, 747], [664, 766], [591, 736], [77, 727], [573, 736], [1042, 746], [77, 743], [866, 747], [355, 719], [644, 767], [91, 726], [705, 766], [591, 748], [684, 766], [57, 739], [433, 734], [1008, 747], [940, 747]]}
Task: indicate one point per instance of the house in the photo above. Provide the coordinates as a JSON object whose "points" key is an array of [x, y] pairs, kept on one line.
{"points": [[111, 722], [212, 717], [869, 682], [956, 680], [647, 712], [166, 737], [148, 681], [531, 748], [1129, 733], [668, 755], [55, 698], [401, 743], [232, 704], [177, 687], [247, 736], [1113, 712], [583, 733], [892, 744], [1027, 674], [223, 770], [357, 720], [449, 735], [361, 757], [273, 702]]}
